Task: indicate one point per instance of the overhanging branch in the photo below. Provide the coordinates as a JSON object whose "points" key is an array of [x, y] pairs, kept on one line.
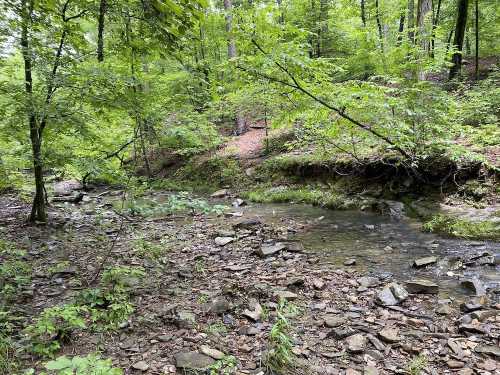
{"points": [[295, 84]]}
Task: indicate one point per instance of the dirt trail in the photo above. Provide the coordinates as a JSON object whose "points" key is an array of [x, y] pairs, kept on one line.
{"points": [[246, 146]]}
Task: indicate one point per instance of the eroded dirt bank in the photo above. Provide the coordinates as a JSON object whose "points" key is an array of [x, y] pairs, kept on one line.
{"points": [[210, 291]]}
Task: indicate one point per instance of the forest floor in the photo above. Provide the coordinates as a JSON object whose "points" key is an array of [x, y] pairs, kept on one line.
{"points": [[211, 297]]}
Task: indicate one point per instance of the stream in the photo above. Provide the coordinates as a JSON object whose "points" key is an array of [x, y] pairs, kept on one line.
{"points": [[383, 246]]}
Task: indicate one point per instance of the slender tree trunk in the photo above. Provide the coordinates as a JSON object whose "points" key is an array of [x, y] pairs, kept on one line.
{"points": [[423, 9], [38, 210], [458, 40], [363, 13], [435, 22], [379, 26], [232, 53], [448, 41], [411, 21], [477, 40], [401, 29], [100, 31]]}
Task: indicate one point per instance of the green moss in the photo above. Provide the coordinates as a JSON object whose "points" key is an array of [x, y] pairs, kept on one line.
{"points": [[454, 227], [315, 197]]}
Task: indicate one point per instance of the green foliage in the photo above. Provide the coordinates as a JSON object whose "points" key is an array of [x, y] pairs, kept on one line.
{"points": [[8, 362], [417, 365], [455, 227], [53, 327], [89, 365], [308, 195], [109, 305], [224, 366], [181, 202], [280, 359], [148, 249], [15, 272]]}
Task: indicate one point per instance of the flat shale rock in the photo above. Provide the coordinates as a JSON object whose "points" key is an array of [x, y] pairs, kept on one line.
{"points": [[223, 241], [332, 321], [493, 350], [421, 286], [268, 250], [423, 262], [356, 343], [193, 361], [141, 366], [212, 353], [389, 334]]}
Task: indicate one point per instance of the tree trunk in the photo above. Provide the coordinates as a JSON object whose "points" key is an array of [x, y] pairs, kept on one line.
{"points": [[401, 29], [423, 9], [411, 21], [458, 40], [435, 22], [363, 13], [379, 26], [100, 31], [38, 211], [232, 53], [477, 40]]}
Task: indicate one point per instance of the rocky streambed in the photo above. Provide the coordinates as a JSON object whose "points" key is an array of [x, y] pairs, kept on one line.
{"points": [[211, 297]]}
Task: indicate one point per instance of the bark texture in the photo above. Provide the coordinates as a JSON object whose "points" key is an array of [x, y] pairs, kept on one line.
{"points": [[458, 40]]}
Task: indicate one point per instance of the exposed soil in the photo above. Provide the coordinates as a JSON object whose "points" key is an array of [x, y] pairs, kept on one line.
{"points": [[196, 293]]}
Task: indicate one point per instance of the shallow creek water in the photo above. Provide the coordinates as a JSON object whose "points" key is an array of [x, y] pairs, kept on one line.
{"points": [[382, 246]]}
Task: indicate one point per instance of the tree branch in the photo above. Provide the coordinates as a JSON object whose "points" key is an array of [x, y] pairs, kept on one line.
{"points": [[341, 112]]}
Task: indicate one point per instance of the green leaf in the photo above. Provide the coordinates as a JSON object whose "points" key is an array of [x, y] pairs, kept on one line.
{"points": [[59, 363]]}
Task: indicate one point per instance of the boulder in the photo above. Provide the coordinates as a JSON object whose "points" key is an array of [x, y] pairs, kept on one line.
{"points": [[67, 187], [193, 361], [421, 286]]}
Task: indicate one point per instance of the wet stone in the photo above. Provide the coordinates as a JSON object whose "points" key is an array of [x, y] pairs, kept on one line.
{"points": [[424, 262], [475, 286], [350, 262], [422, 286]]}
